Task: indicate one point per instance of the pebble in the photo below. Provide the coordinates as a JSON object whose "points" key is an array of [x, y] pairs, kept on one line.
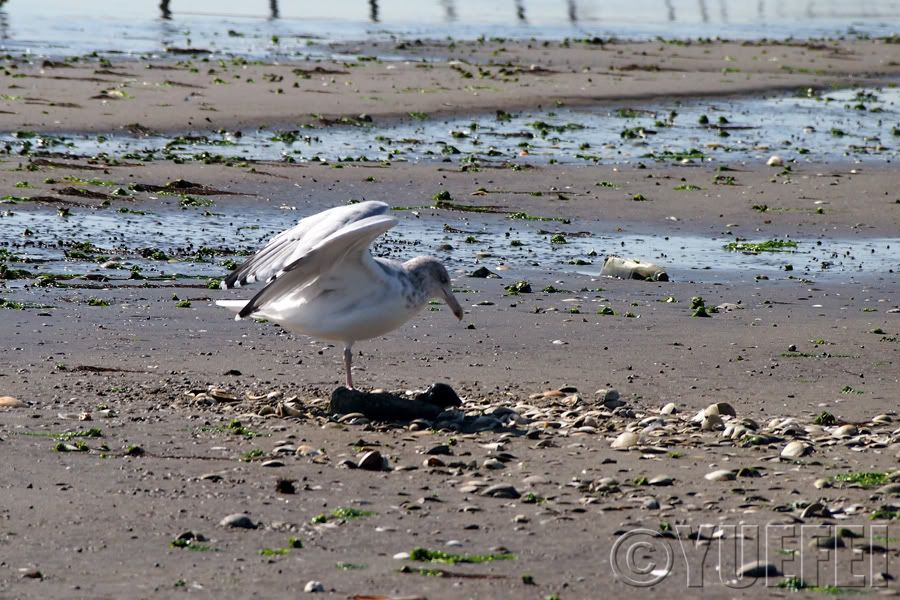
{"points": [[775, 161], [272, 463], [500, 490], [626, 440], [493, 464], [720, 475], [827, 542], [891, 489], [845, 431], [669, 409], [440, 394], [722, 409], [239, 521], [483, 272], [308, 451], [31, 573], [816, 509], [401, 556], [313, 587], [535, 480], [712, 423], [822, 483], [758, 568], [795, 449], [372, 461], [10, 402], [650, 504], [222, 395], [606, 395], [660, 480]]}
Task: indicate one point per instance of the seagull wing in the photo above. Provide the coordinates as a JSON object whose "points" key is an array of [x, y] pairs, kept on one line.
{"points": [[348, 244], [289, 246]]}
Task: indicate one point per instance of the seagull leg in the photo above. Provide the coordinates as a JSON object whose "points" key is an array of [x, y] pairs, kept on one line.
{"points": [[348, 357]]}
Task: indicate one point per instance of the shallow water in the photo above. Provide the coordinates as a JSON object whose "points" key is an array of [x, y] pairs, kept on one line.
{"points": [[63, 27], [524, 246], [851, 124]]}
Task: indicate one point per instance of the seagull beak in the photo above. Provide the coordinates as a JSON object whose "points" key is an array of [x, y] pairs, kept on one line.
{"points": [[452, 302]]}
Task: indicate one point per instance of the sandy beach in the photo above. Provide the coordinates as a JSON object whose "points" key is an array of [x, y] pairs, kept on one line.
{"points": [[145, 415]]}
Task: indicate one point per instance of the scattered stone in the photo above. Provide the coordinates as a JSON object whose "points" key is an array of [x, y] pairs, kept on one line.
{"points": [[372, 461], [222, 395], [500, 490], [285, 486], [891, 489], [484, 272], [609, 396], [626, 440], [712, 423], [827, 542], [440, 394], [660, 480], [312, 587], [669, 409], [775, 161], [721, 409], [439, 450], [238, 521], [650, 504], [31, 573], [493, 464], [309, 451], [845, 431], [816, 509], [796, 449], [721, 475], [271, 463], [758, 568], [822, 483], [10, 402]]}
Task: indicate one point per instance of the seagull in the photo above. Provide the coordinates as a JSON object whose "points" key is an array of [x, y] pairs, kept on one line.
{"points": [[322, 280]]}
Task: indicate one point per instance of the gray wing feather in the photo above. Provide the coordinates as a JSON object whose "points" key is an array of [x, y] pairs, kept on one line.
{"points": [[350, 243], [292, 244]]}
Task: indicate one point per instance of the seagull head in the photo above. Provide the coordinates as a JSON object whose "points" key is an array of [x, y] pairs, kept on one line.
{"points": [[433, 277]]}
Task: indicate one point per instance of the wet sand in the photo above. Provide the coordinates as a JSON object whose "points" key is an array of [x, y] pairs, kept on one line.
{"points": [[194, 93], [100, 522]]}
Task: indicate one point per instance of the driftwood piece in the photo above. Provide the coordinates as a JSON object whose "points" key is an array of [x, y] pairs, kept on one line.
{"points": [[381, 406]]}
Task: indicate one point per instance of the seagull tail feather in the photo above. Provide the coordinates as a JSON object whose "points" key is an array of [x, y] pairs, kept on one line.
{"points": [[233, 305]]}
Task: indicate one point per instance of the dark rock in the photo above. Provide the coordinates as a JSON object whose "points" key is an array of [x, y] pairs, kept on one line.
{"points": [[239, 521], [500, 490], [381, 406], [484, 272], [285, 486], [232, 372], [758, 568], [371, 461], [442, 449], [440, 394]]}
